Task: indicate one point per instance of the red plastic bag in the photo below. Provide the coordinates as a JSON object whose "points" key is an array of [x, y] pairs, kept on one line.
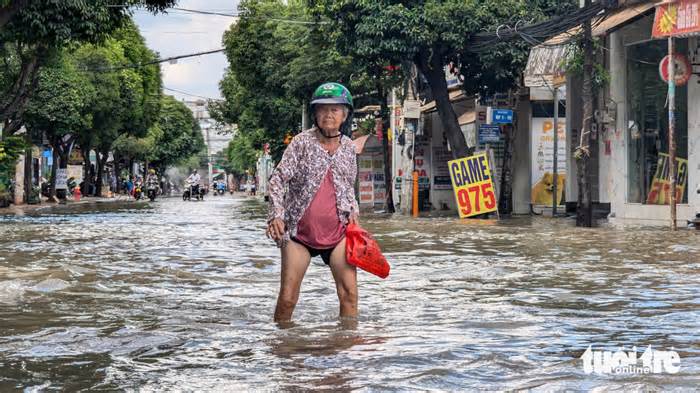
{"points": [[363, 251]]}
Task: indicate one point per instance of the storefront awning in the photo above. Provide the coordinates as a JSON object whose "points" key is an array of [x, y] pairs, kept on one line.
{"points": [[368, 109], [606, 23], [367, 144], [454, 96], [544, 64], [466, 118]]}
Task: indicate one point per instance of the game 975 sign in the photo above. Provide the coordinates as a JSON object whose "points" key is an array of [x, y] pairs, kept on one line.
{"points": [[472, 184]]}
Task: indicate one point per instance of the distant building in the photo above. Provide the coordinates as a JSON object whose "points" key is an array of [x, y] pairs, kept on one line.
{"points": [[216, 135]]}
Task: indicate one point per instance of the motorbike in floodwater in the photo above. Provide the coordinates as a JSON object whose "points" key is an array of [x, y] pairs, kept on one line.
{"points": [[152, 192], [138, 191], [193, 191]]}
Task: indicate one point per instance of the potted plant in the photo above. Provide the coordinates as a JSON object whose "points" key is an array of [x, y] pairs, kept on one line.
{"points": [[34, 196]]}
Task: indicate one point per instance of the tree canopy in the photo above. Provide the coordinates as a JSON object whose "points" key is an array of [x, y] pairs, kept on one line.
{"points": [[274, 67], [433, 34], [32, 31]]}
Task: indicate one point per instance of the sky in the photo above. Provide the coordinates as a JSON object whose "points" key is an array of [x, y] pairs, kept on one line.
{"points": [[178, 33]]}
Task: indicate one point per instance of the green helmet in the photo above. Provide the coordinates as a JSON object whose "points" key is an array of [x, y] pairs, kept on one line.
{"points": [[332, 93]]}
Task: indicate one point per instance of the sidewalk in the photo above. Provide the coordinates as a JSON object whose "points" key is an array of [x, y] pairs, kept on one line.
{"points": [[45, 204]]}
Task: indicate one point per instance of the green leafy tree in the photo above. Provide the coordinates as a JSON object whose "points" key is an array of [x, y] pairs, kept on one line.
{"points": [[127, 100], [59, 107], [176, 137], [433, 34], [274, 68], [10, 149], [31, 31]]}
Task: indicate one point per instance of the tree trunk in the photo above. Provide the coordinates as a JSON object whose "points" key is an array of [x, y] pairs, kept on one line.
{"points": [[14, 101], [54, 167], [62, 150], [101, 163], [87, 180], [386, 123], [62, 164], [505, 199], [431, 65], [27, 169], [584, 214]]}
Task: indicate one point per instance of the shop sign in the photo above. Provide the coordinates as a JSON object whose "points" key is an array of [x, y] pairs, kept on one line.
{"points": [[677, 19], [542, 159], [61, 178], [489, 133], [683, 69], [473, 185], [411, 109], [502, 116], [660, 190]]}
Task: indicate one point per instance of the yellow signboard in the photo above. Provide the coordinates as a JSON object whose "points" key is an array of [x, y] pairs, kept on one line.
{"points": [[473, 186], [660, 189]]}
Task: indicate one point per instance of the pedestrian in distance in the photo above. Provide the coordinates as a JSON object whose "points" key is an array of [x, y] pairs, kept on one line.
{"points": [[129, 187], [312, 200]]}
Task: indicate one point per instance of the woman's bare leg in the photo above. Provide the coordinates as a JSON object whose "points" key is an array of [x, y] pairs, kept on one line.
{"points": [[345, 276], [295, 261]]}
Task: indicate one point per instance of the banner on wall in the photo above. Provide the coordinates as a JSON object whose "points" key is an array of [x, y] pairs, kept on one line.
{"points": [[378, 178], [366, 180], [441, 172], [422, 165], [542, 170], [660, 188]]}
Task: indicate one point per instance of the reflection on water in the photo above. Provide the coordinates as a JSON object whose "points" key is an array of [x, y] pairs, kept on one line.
{"points": [[179, 296]]}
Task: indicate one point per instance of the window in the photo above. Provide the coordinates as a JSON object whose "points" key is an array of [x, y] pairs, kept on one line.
{"points": [[648, 145]]}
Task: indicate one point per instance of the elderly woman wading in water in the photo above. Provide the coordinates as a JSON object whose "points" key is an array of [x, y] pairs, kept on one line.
{"points": [[312, 200]]}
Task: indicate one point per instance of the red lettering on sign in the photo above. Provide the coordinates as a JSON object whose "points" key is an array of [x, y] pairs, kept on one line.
{"points": [[465, 204], [486, 190], [476, 190]]}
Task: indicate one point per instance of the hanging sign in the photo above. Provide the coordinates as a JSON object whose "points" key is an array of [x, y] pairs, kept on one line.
{"points": [[502, 116], [489, 133], [473, 186], [677, 19], [61, 178], [682, 66]]}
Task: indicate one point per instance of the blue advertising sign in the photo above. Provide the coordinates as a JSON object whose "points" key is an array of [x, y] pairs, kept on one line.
{"points": [[502, 116], [489, 133]]}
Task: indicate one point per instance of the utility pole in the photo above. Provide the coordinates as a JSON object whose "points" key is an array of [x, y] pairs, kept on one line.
{"points": [[555, 154], [672, 129], [584, 214]]}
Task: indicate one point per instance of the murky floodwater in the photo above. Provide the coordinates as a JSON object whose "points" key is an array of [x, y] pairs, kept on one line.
{"points": [[179, 296]]}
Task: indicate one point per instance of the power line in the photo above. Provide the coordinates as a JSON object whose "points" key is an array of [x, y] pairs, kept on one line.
{"points": [[191, 95], [237, 15], [167, 59], [205, 12]]}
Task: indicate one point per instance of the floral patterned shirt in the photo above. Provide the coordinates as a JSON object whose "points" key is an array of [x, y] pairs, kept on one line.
{"points": [[299, 174]]}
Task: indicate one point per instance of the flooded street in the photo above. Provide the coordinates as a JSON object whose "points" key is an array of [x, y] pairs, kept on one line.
{"points": [[177, 296]]}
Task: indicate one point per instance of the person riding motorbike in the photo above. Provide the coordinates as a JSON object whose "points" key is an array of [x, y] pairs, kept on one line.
{"points": [[193, 182], [152, 184]]}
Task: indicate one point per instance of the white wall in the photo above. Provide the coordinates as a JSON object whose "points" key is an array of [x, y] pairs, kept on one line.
{"points": [[614, 169]]}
